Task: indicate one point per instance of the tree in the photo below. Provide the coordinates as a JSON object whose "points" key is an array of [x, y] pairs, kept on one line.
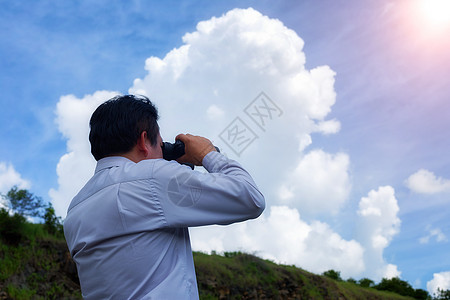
{"points": [[24, 203], [396, 285], [52, 223], [442, 295], [336, 275], [11, 227], [421, 294], [366, 282]]}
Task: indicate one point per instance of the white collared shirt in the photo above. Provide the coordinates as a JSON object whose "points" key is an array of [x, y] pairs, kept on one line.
{"points": [[127, 229]]}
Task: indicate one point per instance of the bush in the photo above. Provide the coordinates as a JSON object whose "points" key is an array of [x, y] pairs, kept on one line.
{"points": [[52, 222], [351, 280], [421, 294], [396, 285], [336, 275], [366, 282], [12, 228]]}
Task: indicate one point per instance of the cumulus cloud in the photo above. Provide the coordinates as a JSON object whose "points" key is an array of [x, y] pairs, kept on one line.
{"points": [[9, 177], [377, 224], [440, 280], [76, 166], [319, 184], [425, 182], [216, 76], [282, 236]]}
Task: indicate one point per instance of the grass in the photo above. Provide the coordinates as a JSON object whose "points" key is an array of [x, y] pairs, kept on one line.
{"points": [[243, 276], [354, 291], [33, 262]]}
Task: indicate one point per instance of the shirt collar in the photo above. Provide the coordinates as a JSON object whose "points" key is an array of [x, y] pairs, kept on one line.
{"points": [[111, 161]]}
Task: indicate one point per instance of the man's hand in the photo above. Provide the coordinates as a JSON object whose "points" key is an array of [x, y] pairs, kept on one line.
{"points": [[196, 148]]}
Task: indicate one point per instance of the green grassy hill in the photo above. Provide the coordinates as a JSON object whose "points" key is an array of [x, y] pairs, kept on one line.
{"points": [[244, 276], [36, 265]]}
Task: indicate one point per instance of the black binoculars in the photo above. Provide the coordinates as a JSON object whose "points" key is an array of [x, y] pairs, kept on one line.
{"points": [[172, 151]]}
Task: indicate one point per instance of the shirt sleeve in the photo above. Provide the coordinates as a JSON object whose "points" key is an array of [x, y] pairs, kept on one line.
{"points": [[225, 195]]}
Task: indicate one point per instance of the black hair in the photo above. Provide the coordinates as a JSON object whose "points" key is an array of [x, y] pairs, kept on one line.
{"points": [[117, 124]]}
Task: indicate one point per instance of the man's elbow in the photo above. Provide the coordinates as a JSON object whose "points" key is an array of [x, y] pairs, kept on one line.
{"points": [[259, 205]]}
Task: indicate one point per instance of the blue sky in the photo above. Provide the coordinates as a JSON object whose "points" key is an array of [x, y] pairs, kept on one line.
{"points": [[391, 105]]}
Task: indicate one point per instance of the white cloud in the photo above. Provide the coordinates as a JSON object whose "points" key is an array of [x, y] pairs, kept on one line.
{"points": [[214, 112], [319, 184], [9, 177], [282, 236], [433, 233], [390, 271], [425, 182], [440, 280], [377, 224], [77, 165], [329, 127], [221, 68]]}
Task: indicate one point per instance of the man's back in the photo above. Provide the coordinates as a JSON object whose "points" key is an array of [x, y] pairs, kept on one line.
{"points": [[129, 237]]}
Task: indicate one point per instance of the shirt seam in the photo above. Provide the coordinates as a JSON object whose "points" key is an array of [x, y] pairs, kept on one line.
{"points": [[111, 184], [155, 198]]}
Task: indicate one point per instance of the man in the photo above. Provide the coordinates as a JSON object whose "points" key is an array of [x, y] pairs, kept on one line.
{"points": [[127, 229]]}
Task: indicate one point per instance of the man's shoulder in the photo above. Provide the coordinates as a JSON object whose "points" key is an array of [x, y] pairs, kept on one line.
{"points": [[111, 171]]}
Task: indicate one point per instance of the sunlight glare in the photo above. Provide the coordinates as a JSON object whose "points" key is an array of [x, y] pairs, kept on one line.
{"points": [[435, 12]]}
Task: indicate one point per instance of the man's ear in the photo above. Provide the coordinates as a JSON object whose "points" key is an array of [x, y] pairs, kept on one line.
{"points": [[142, 145]]}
